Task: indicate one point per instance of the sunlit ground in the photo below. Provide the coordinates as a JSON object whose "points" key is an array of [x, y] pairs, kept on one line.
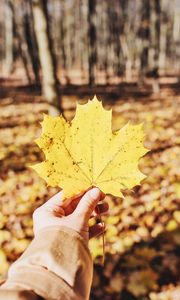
{"points": [[142, 239]]}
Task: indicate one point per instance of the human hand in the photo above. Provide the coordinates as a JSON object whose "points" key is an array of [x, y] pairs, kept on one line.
{"points": [[74, 213]]}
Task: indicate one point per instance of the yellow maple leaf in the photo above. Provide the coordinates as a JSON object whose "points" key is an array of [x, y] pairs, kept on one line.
{"points": [[85, 152]]}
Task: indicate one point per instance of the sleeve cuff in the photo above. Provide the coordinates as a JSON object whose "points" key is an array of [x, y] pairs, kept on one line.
{"points": [[57, 263]]}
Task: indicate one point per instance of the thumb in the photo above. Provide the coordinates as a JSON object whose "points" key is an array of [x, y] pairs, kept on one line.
{"points": [[88, 203]]}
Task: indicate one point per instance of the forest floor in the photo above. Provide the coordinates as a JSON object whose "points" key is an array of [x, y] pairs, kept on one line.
{"points": [[142, 236]]}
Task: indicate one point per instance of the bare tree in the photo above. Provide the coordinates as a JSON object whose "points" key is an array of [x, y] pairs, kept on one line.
{"points": [[92, 40], [30, 39], [8, 37], [163, 43], [49, 81], [144, 33], [101, 40], [154, 35]]}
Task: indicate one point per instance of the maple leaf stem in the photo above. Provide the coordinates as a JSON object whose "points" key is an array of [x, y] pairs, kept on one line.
{"points": [[103, 243], [103, 237]]}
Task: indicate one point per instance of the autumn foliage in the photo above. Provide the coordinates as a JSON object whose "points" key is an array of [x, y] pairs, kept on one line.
{"points": [[142, 237]]}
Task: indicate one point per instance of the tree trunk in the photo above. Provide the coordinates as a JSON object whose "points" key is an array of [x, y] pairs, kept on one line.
{"points": [[154, 36], [163, 40], [49, 81], [62, 36], [8, 37], [31, 39], [176, 36], [144, 35], [20, 36], [92, 40]]}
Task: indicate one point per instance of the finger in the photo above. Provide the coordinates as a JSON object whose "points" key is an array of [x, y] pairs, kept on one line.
{"points": [[96, 230], [88, 203], [53, 205], [56, 200], [58, 212], [100, 209], [69, 200], [72, 206], [53, 202], [56, 204]]}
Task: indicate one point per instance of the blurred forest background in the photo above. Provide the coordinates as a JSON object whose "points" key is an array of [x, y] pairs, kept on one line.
{"points": [[55, 52]]}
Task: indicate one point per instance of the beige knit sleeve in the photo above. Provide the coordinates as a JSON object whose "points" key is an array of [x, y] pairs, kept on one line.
{"points": [[56, 265]]}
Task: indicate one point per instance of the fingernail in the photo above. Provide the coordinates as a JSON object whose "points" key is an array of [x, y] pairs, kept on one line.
{"points": [[94, 193]]}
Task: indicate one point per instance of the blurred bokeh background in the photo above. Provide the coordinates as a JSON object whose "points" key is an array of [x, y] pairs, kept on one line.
{"points": [[127, 52]]}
